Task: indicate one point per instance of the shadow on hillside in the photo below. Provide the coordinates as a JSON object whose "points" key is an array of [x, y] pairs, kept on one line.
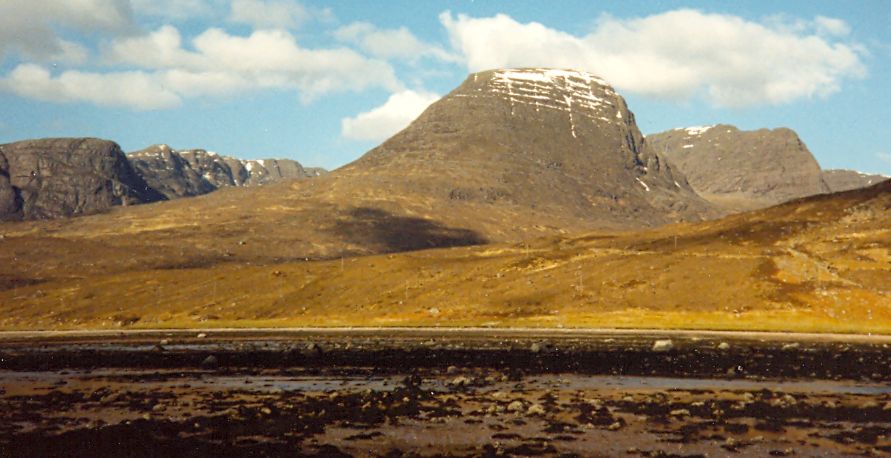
{"points": [[382, 231]]}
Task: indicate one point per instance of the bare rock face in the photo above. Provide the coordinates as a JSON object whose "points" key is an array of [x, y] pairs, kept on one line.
{"points": [[197, 171], [741, 170], [168, 172], [558, 143], [845, 180], [59, 177]]}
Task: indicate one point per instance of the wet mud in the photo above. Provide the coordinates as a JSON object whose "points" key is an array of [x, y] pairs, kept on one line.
{"points": [[179, 395]]}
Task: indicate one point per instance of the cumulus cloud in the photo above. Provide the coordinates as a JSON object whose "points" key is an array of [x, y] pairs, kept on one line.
{"points": [[175, 10], [389, 43], [677, 54], [219, 63], [380, 123], [262, 14], [28, 27], [123, 89]]}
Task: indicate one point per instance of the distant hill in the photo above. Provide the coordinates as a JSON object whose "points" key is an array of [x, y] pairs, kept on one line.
{"points": [[844, 180], [194, 172], [741, 170], [59, 177]]}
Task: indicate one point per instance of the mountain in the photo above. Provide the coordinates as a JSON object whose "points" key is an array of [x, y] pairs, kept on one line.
{"points": [[844, 180], [741, 170], [524, 151], [508, 156], [58, 177], [194, 172]]}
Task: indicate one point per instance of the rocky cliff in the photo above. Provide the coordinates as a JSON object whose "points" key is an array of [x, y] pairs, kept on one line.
{"points": [[57, 177], [194, 172]]}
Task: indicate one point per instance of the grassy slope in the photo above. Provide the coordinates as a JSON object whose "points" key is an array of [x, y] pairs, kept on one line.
{"points": [[820, 264]]}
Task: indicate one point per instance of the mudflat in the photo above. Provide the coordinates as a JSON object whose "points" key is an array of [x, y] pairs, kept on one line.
{"points": [[443, 392]]}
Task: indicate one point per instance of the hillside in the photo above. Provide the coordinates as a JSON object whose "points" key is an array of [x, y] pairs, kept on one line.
{"points": [[818, 264], [741, 170]]}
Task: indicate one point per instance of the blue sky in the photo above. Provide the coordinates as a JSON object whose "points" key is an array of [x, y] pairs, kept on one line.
{"points": [[323, 82]]}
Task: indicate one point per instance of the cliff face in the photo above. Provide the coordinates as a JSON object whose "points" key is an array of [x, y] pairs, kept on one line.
{"points": [[59, 177], [194, 172], [743, 169]]}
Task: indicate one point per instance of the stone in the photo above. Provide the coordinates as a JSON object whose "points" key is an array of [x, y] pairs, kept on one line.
{"points": [[516, 406], [535, 409], [210, 362], [663, 345]]}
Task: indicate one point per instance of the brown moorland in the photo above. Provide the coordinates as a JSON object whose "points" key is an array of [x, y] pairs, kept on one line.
{"points": [[816, 264]]}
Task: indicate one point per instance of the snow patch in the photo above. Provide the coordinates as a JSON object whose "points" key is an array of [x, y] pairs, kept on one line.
{"points": [[261, 162], [687, 146], [249, 166], [697, 130], [618, 115]]}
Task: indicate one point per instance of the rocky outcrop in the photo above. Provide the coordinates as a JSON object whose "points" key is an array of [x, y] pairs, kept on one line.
{"points": [[740, 170], [58, 177], [845, 180], [194, 172]]}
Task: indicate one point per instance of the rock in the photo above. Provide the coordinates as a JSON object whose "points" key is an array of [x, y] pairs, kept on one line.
{"points": [[724, 346], [535, 347], [535, 409], [680, 413], [164, 342], [312, 350], [791, 346], [615, 426], [663, 345], [516, 406], [158, 407], [452, 370], [460, 381], [61, 177], [210, 362], [201, 335], [265, 410]]}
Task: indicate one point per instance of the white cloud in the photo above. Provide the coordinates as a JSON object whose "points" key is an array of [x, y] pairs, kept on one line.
{"points": [[884, 157], [831, 26], [215, 63], [396, 113], [125, 89], [28, 27], [676, 54], [265, 14], [389, 43]]}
